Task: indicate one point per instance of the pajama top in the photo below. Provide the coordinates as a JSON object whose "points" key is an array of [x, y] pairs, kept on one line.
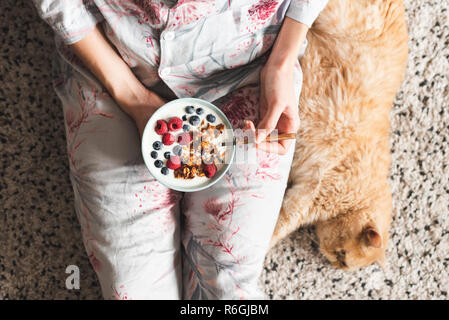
{"points": [[202, 48]]}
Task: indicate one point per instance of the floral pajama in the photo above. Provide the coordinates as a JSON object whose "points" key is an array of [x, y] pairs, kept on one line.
{"points": [[143, 240]]}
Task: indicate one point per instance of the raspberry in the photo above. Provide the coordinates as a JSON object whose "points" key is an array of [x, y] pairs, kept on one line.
{"points": [[184, 138], [174, 162], [209, 170], [175, 124], [168, 139], [161, 127]]}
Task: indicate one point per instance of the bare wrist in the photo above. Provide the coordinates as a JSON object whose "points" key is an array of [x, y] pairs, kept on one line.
{"points": [[132, 98], [121, 83], [281, 63], [129, 91]]}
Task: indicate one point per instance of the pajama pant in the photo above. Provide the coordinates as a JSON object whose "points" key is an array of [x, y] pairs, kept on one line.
{"points": [[146, 241]]}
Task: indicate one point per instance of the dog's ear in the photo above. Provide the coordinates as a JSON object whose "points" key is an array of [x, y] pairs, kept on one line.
{"points": [[372, 237]]}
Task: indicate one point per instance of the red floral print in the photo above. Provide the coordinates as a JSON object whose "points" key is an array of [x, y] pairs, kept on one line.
{"points": [[222, 227], [242, 105], [119, 295], [260, 13], [188, 11], [213, 206], [152, 10], [263, 9], [144, 11], [268, 166], [74, 121], [154, 197], [89, 240]]}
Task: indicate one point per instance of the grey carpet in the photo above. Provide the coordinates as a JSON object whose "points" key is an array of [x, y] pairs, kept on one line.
{"points": [[40, 236]]}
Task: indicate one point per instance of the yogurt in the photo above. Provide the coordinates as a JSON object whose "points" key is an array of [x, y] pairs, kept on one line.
{"points": [[208, 127]]}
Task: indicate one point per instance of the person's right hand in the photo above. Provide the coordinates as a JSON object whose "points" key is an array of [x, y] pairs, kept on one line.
{"points": [[140, 105]]}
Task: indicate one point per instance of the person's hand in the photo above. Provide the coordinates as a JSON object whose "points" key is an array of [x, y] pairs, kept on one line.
{"points": [[278, 107], [140, 105]]}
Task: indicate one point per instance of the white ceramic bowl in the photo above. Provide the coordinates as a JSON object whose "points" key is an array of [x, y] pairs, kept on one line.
{"points": [[173, 108]]}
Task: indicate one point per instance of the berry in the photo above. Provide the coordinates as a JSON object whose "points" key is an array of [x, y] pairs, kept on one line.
{"points": [[168, 139], [211, 118], [167, 155], [161, 127], [184, 138], [157, 145], [186, 128], [174, 162], [190, 109], [158, 163], [184, 117], [194, 120], [209, 170], [177, 150], [174, 124], [154, 154], [199, 111], [164, 171]]}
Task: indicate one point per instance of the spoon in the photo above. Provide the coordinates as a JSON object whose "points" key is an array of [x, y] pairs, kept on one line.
{"points": [[279, 137]]}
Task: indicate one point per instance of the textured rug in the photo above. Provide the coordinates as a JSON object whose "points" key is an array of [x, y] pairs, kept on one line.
{"points": [[40, 236]]}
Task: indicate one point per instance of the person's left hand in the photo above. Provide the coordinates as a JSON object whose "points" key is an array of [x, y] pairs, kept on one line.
{"points": [[278, 107]]}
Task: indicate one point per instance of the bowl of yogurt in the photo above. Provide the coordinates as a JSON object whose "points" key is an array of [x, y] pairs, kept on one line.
{"points": [[187, 144]]}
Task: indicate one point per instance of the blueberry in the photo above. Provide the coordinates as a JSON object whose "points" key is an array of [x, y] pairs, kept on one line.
{"points": [[164, 171], [186, 128], [194, 120], [154, 154], [158, 163], [177, 150], [157, 145], [211, 118], [199, 111], [190, 109], [167, 155], [184, 117]]}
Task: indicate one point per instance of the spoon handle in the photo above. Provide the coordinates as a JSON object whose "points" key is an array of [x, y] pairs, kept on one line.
{"points": [[279, 137]]}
